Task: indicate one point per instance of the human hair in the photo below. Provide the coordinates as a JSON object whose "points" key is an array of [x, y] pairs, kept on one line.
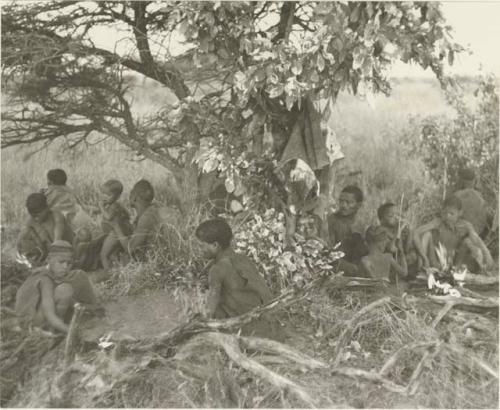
{"points": [[375, 234], [453, 202], [114, 186], [354, 190], [144, 190], [57, 176], [382, 210], [36, 203], [215, 230]]}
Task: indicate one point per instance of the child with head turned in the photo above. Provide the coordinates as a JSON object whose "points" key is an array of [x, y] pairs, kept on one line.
{"points": [[456, 235], [112, 212], [59, 196], [379, 264], [235, 285], [44, 226]]}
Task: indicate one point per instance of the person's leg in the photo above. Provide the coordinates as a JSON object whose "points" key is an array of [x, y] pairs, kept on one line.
{"points": [[63, 298], [109, 245], [429, 250]]}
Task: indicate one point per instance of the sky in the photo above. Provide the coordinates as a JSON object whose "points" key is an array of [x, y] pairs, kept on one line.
{"points": [[476, 25]]}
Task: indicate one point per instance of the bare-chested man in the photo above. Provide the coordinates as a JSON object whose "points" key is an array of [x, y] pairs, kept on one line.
{"points": [[458, 237]]}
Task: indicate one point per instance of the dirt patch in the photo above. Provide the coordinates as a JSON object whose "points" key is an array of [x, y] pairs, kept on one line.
{"points": [[137, 316]]}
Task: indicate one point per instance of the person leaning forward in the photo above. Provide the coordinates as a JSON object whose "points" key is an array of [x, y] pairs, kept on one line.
{"points": [[147, 223], [43, 227], [235, 285], [47, 297]]}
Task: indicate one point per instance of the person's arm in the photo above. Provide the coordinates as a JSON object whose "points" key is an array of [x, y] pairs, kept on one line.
{"points": [[401, 270], [48, 305], [124, 240], [477, 241], [214, 291], [417, 238]]}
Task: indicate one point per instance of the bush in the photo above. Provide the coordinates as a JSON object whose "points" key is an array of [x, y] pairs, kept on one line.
{"points": [[470, 139]]}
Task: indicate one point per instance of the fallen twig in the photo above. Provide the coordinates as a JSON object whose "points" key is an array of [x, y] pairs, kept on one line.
{"points": [[371, 376], [442, 313], [428, 356], [230, 345], [486, 303], [389, 364], [476, 360], [271, 346], [69, 346]]}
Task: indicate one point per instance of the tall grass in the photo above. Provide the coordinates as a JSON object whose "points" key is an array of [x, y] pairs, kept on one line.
{"points": [[370, 138]]}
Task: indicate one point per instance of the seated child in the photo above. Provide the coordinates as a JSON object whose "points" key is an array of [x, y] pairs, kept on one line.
{"points": [[235, 285], [112, 212], [59, 196], [458, 237], [147, 224], [379, 264], [474, 209], [43, 227], [48, 296], [340, 229], [396, 245]]}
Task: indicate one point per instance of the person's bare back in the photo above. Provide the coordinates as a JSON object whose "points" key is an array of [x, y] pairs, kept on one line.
{"points": [[377, 265]]}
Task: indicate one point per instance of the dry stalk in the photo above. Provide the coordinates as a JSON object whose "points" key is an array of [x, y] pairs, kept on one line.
{"points": [[230, 345], [442, 313], [370, 376], [389, 364], [486, 303], [271, 346], [428, 356], [69, 346]]}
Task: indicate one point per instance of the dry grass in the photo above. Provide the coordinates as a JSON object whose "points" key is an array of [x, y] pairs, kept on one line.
{"points": [[206, 378]]}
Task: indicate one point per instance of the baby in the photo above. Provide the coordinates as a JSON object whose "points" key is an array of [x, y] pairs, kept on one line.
{"points": [[378, 264]]}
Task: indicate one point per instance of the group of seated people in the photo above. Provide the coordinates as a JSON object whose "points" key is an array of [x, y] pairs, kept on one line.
{"points": [[389, 250], [61, 256], [52, 212]]}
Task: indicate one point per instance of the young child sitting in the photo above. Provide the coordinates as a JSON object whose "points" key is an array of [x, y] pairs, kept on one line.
{"points": [[47, 297], [42, 228], [235, 285], [59, 196], [379, 264], [458, 237], [112, 212]]}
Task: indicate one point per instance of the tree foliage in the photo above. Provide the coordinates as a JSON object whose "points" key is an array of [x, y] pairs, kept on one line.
{"points": [[241, 77], [470, 139]]}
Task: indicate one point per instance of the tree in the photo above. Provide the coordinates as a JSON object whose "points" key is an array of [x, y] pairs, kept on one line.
{"points": [[244, 76]]}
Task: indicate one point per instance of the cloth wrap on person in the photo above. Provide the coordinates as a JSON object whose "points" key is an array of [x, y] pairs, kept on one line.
{"points": [[28, 297]]}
